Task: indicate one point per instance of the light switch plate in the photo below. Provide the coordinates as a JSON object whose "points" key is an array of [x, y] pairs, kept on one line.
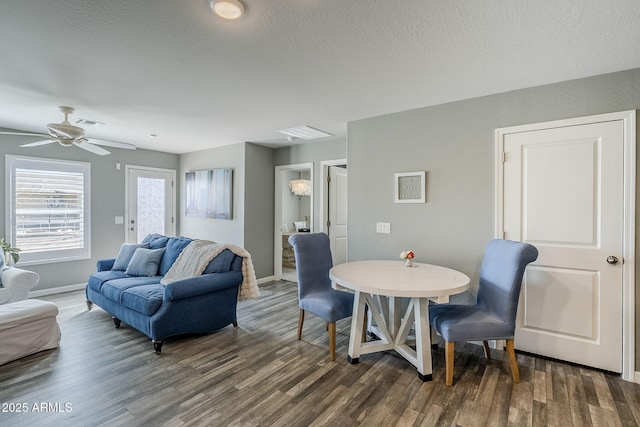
{"points": [[383, 227]]}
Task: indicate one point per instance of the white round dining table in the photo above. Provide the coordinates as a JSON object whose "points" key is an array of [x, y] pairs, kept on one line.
{"points": [[381, 285]]}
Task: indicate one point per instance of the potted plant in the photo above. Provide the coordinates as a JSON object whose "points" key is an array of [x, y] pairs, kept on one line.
{"points": [[9, 252]]}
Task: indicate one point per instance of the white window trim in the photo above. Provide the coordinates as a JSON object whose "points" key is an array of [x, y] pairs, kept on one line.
{"points": [[46, 257]]}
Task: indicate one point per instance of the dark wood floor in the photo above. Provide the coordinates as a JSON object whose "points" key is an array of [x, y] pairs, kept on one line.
{"points": [[259, 375]]}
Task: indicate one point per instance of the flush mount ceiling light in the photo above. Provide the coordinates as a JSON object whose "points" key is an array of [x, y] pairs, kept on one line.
{"points": [[305, 132], [227, 9]]}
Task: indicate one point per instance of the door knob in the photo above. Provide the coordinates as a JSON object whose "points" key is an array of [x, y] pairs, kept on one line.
{"points": [[612, 259], [134, 229]]}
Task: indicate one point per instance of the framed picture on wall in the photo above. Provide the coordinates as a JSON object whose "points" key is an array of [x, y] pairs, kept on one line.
{"points": [[410, 187], [209, 193]]}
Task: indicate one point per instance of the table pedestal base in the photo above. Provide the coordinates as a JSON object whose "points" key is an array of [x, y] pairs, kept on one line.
{"points": [[393, 331]]}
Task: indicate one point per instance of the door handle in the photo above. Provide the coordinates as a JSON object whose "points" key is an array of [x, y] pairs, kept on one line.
{"points": [[134, 229], [612, 259]]}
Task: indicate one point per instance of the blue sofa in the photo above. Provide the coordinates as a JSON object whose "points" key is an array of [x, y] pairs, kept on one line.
{"points": [[130, 290]]}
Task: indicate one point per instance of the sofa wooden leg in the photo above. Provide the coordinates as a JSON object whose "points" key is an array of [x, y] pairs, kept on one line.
{"points": [[157, 346], [89, 305], [116, 322], [300, 322], [235, 323]]}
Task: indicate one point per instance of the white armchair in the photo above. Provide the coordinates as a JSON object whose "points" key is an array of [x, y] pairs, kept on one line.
{"points": [[16, 284]]}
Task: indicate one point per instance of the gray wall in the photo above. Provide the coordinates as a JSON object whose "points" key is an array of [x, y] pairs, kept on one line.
{"points": [[454, 144], [315, 153], [259, 207], [252, 223], [107, 201], [217, 230]]}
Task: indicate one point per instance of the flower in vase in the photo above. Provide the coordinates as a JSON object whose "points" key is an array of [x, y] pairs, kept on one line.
{"points": [[407, 255]]}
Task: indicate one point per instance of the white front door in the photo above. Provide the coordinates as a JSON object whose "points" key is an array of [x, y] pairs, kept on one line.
{"points": [[563, 191], [338, 213], [151, 202]]}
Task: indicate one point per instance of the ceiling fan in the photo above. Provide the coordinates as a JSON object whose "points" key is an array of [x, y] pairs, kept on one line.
{"points": [[68, 135]]}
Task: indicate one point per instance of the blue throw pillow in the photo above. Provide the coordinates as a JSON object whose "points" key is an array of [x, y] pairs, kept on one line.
{"points": [[125, 254], [145, 262], [151, 237], [175, 245], [221, 263]]}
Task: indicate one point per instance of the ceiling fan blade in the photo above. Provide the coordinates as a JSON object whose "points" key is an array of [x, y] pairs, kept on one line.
{"points": [[113, 144], [37, 143], [93, 148], [25, 134]]}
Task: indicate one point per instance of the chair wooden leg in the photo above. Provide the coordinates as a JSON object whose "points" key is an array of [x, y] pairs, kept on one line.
{"points": [[300, 322], [487, 350], [512, 360], [448, 355], [332, 340], [365, 326]]}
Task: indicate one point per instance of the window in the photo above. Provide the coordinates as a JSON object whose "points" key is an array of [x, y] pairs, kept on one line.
{"points": [[49, 208]]}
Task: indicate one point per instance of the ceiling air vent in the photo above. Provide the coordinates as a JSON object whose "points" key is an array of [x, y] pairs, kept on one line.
{"points": [[86, 122], [305, 132]]}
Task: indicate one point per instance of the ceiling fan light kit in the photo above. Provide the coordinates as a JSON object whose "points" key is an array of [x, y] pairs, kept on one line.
{"points": [[227, 9]]}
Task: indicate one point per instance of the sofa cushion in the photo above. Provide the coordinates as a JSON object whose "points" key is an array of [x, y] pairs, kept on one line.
{"points": [[145, 262], [97, 279], [145, 299], [125, 253], [236, 264], [221, 263], [155, 240], [159, 243], [113, 289], [175, 245]]}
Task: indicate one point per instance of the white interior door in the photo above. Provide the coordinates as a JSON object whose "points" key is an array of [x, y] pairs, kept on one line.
{"points": [[151, 205], [337, 225], [563, 192]]}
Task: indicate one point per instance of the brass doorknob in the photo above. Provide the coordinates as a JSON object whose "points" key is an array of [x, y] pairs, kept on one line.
{"points": [[612, 259]]}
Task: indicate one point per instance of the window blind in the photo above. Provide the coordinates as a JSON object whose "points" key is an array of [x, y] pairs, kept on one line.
{"points": [[49, 210], [49, 216]]}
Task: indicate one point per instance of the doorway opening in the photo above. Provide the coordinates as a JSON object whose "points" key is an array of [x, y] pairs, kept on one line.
{"points": [[293, 214]]}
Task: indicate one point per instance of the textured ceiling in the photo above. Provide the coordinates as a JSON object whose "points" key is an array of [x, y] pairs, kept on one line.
{"points": [[172, 68]]}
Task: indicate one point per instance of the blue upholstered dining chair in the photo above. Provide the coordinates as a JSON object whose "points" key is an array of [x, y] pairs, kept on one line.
{"points": [[494, 315], [313, 262]]}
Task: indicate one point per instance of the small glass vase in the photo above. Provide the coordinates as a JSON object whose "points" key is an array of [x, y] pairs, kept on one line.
{"points": [[408, 262]]}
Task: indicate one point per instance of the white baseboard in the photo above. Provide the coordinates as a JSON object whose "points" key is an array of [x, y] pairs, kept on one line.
{"points": [[636, 377], [264, 280], [70, 288], [59, 290]]}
